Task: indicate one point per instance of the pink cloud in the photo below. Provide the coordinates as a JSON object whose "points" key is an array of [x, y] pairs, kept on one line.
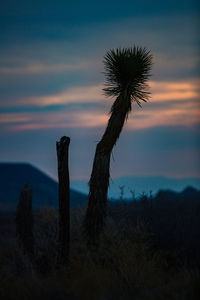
{"points": [[61, 120], [184, 110], [72, 95], [161, 91], [8, 118]]}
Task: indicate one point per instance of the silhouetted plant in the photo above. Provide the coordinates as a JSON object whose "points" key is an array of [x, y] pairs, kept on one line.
{"points": [[24, 220], [64, 199], [136, 260], [127, 71], [121, 196], [46, 240]]}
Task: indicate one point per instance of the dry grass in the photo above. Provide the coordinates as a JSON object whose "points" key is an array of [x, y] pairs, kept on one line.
{"points": [[124, 267]]}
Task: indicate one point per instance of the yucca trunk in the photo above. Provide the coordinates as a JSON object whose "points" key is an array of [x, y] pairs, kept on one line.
{"points": [[127, 71], [99, 181]]}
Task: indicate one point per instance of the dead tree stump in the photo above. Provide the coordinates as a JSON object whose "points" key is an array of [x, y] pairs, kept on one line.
{"points": [[64, 199], [24, 220]]}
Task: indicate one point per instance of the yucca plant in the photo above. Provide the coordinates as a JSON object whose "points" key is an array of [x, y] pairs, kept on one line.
{"points": [[127, 71]]}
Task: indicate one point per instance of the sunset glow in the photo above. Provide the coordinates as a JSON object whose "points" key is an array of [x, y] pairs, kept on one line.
{"points": [[182, 97], [52, 80]]}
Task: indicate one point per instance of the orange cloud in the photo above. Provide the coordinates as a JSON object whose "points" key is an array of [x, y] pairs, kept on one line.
{"points": [[186, 115], [183, 111], [63, 120], [72, 95], [161, 91]]}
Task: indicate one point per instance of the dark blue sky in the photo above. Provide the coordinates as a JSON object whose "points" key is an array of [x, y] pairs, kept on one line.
{"points": [[51, 84]]}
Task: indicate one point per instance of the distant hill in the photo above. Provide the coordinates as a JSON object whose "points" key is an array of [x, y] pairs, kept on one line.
{"points": [[141, 184], [45, 190]]}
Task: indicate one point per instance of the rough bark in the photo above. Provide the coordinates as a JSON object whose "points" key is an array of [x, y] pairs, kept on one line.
{"points": [[24, 220], [99, 181], [96, 211], [64, 199]]}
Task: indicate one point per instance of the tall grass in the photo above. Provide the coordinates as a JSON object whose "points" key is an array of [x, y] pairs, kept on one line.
{"points": [[125, 266]]}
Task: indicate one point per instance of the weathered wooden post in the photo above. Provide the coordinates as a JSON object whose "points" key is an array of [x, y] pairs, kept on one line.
{"points": [[24, 220], [64, 199]]}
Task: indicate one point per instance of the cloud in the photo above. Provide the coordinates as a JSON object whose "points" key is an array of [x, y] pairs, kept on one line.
{"points": [[172, 41], [172, 103], [51, 67], [37, 121], [164, 62], [10, 118], [185, 115], [165, 91], [41, 68], [160, 90], [72, 95]]}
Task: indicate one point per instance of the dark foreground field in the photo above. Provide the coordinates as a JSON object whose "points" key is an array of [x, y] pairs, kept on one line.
{"points": [[150, 250]]}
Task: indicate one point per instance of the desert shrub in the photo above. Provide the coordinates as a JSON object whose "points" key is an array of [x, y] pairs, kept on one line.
{"points": [[127, 264], [14, 261], [48, 288], [45, 238]]}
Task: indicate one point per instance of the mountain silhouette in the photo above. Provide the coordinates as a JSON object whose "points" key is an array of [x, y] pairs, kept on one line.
{"points": [[45, 190]]}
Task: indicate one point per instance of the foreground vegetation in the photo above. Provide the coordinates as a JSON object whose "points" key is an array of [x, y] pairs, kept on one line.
{"points": [[149, 250]]}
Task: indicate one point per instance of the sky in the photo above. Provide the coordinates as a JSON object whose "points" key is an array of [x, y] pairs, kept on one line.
{"points": [[51, 80]]}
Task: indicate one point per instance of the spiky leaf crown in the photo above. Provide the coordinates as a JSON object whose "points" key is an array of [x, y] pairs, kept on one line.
{"points": [[127, 70]]}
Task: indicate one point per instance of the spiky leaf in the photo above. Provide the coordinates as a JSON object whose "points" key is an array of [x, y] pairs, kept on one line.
{"points": [[127, 70]]}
